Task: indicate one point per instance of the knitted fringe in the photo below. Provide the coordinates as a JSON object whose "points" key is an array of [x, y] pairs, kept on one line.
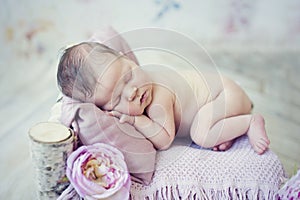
{"points": [[179, 191]]}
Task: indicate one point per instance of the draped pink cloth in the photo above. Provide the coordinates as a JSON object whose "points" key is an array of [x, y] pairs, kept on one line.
{"points": [[92, 125]]}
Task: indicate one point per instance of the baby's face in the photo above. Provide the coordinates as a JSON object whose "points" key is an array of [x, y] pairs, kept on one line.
{"points": [[123, 87]]}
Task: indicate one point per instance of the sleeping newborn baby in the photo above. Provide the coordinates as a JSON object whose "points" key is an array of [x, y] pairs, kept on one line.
{"points": [[159, 102]]}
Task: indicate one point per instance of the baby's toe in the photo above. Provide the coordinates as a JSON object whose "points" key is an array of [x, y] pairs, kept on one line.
{"points": [[267, 141], [262, 142], [215, 149], [258, 149], [223, 147]]}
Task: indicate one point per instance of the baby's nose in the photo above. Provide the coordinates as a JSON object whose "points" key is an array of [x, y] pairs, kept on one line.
{"points": [[132, 93]]}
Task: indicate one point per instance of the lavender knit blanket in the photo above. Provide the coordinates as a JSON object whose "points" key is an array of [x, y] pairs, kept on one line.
{"points": [[189, 172]]}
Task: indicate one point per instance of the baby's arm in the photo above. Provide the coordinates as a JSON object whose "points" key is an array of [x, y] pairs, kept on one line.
{"points": [[159, 129]]}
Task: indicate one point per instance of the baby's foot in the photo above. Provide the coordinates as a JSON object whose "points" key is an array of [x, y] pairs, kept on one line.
{"points": [[257, 134], [224, 146]]}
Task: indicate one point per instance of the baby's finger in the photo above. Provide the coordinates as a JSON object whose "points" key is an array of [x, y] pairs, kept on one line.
{"points": [[126, 119], [122, 119], [108, 113], [116, 114]]}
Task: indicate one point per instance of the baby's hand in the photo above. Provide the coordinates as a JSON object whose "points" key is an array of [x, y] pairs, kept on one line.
{"points": [[123, 118]]}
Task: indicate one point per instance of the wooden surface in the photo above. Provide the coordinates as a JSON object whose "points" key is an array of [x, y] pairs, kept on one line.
{"points": [[28, 91]]}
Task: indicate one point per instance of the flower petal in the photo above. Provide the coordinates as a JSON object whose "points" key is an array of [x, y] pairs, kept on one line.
{"points": [[98, 171]]}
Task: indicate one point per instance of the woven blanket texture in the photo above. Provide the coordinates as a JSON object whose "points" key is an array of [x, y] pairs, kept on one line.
{"points": [[190, 172]]}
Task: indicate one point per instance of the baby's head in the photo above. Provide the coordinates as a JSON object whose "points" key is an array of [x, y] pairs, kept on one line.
{"points": [[76, 75], [92, 72]]}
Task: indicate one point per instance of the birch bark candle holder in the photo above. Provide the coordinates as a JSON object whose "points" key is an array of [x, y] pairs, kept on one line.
{"points": [[51, 144]]}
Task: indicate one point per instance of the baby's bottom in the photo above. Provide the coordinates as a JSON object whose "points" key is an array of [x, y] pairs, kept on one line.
{"points": [[227, 117]]}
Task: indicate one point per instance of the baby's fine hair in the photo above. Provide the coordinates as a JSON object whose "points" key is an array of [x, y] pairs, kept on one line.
{"points": [[75, 75]]}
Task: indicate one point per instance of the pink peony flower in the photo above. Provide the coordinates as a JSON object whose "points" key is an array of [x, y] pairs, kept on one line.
{"points": [[99, 171]]}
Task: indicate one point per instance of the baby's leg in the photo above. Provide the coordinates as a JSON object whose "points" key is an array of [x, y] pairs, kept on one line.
{"points": [[233, 127], [225, 118], [211, 132]]}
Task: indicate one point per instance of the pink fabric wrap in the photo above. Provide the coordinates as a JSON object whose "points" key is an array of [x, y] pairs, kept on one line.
{"points": [[114, 40], [92, 125]]}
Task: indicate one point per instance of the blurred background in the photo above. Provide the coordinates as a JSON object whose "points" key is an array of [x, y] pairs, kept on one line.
{"points": [[254, 42]]}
